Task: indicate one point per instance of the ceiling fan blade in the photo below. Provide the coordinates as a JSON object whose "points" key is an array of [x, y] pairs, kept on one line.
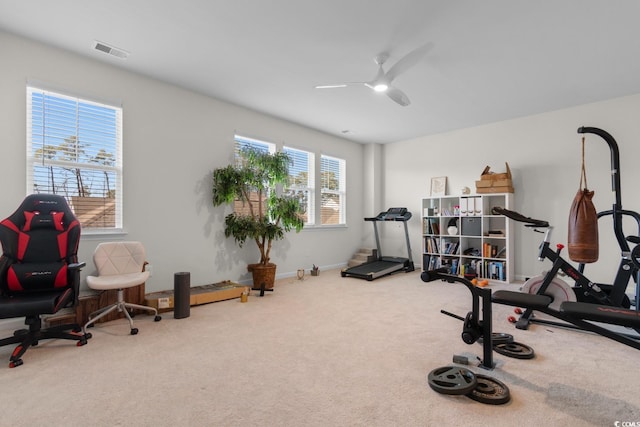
{"points": [[339, 85], [408, 61], [398, 96]]}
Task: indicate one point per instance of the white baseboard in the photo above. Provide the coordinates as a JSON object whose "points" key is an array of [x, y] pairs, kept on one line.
{"points": [[295, 273]]}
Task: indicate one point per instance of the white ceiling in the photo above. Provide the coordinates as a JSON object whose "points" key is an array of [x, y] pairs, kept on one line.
{"points": [[491, 60]]}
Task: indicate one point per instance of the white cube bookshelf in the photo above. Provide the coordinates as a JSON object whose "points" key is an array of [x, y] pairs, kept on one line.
{"points": [[480, 243]]}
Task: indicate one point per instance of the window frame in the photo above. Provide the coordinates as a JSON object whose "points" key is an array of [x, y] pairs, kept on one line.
{"points": [[106, 148]]}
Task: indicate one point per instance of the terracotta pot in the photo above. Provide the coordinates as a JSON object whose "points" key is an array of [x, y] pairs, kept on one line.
{"points": [[263, 274]]}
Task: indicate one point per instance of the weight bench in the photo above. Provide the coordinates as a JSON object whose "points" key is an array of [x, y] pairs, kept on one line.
{"points": [[578, 313], [478, 322]]}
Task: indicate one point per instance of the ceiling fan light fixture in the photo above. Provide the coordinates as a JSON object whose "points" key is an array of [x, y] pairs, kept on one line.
{"points": [[381, 87]]}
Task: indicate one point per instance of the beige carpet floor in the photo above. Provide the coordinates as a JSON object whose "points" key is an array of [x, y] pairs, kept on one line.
{"points": [[325, 351]]}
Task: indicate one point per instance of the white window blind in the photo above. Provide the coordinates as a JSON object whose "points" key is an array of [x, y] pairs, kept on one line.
{"points": [[242, 143], [74, 149], [301, 178], [332, 190]]}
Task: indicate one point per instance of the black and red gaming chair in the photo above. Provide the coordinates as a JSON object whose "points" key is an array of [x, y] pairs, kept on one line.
{"points": [[39, 270]]}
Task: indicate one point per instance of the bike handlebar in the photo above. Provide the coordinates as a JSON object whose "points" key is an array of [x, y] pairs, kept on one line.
{"points": [[529, 222]]}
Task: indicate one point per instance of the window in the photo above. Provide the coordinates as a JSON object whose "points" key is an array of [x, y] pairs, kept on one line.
{"points": [[332, 190], [74, 148], [243, 143], [301, 177], [304, 181]]}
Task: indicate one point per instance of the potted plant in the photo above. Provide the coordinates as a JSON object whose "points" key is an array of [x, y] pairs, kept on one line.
{"points": [[261, 212]]}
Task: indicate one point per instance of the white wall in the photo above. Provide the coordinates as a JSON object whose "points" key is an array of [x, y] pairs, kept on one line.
{"points": [[543, 152], [173, 139]]}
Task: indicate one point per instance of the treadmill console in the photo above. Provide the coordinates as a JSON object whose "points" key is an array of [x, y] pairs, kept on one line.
{"points": [[394, 214]]}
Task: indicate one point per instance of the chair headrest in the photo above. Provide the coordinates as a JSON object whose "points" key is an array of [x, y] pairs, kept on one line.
{"points": [[42, 211], [35, 220]]}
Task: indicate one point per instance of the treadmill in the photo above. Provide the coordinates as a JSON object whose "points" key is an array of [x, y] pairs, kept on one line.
{"points": [[384, 265]]}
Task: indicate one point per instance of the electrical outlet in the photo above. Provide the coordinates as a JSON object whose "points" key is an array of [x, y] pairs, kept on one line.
{"points": [[164, 303]]}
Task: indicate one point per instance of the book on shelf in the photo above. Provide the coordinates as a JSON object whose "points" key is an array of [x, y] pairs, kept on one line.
{"points": [[489, 250], [454, 266], [450, 247], [425, 261], [434, 262], [430, 226], [501, 273], [431, 243], [435, 226], [494, 270]]}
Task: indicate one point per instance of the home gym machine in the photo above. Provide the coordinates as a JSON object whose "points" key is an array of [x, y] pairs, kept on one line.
{"points": [[477, 327], [384, 265], [584, 290]]}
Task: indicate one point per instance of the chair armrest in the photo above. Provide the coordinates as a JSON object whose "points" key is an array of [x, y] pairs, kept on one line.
{"points": [[74, 271], [77, 265]]}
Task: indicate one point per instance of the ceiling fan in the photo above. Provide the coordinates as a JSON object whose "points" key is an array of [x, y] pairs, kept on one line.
{"points": [[382, 81]]}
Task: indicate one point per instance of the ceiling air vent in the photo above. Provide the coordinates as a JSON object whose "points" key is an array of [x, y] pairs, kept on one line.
{"points": [[110, 50]]}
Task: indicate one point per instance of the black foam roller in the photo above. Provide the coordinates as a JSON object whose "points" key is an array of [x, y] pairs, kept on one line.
{"points": [[181, 295]]}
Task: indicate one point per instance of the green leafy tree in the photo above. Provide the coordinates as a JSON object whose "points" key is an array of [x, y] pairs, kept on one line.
{"points": [[253, 182]]}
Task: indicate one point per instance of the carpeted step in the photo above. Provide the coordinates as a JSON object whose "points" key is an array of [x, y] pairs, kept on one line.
{"points": [[362, 256]]}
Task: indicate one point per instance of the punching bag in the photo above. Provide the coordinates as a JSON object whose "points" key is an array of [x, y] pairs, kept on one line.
{"points": [[583, 223]]}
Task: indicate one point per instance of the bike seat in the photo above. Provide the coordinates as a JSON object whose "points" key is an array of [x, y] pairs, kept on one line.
{"points": [[529, 222]]}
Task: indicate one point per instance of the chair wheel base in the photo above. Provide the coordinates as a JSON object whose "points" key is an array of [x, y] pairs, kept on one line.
{"points": [[134, 331], [157, 318], [15, 363]]}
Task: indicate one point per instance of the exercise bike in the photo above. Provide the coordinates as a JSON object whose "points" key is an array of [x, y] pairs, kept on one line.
{"points": [[558, 291]]}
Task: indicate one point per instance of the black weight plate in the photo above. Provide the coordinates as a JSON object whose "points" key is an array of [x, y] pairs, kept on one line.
{"points": [[499, 338], [515, 350], [490, 391], [452, 380]]}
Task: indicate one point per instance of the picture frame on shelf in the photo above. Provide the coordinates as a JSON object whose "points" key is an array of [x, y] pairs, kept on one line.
{"points": [[439, 186]]}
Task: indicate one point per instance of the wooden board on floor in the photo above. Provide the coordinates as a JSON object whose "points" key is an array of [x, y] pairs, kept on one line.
{"points": [[204, 294]]}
